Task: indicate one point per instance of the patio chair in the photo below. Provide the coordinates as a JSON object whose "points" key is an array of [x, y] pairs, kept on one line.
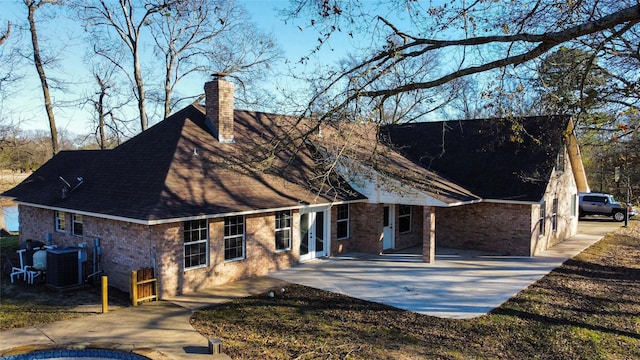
{"points": [[22, 270]]}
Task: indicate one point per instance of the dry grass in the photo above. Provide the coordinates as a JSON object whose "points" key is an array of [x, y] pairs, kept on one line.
{"points": [[589, 308], [23, 304]]}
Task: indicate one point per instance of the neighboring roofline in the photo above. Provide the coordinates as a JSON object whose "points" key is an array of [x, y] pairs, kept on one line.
{"points": [[186, 218]]}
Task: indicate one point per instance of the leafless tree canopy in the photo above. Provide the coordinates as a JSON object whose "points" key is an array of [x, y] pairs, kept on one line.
{"points": [[187, 36], [470, 38]]}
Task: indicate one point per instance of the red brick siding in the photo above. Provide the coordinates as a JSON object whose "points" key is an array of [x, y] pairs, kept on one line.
{"points": [[261, 256], [366, 228], [496, 227], [414, 237], [428, 234], [349, 244], [125, 246], [219, 107]]}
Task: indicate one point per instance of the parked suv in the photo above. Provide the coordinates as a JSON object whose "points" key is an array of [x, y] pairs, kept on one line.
{"points": [[601, 204]]}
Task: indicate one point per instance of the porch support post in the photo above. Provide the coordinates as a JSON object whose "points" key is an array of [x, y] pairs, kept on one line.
{"points": [[429, 234]]}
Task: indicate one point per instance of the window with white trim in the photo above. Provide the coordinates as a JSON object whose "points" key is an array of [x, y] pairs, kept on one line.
{"points": [[283, 230], [76, 225], [342, 224], [195, 234], [234, 237], [554, 215], [61, 224], [404, 218], [560, 161], [541, 219]]}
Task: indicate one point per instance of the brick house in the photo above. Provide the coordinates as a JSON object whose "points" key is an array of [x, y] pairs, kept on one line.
{"points": [[212, 195]]}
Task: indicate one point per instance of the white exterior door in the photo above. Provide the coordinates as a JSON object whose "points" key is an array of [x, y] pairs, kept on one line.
{"points": [[314, 235], [388, 240]]}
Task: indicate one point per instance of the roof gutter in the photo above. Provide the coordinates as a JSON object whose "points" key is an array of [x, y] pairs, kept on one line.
{"points": [[181, 219], [513, 202]]}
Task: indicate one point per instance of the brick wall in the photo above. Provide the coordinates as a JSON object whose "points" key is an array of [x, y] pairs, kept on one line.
{"points": [[495, 227], [414, 237], [127, 246], [366, 228], [219, 107], [261, 256], [350, 244], [562, 187]]}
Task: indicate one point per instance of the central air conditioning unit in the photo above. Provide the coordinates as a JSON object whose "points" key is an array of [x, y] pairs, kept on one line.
{"points": [[65, 267]]}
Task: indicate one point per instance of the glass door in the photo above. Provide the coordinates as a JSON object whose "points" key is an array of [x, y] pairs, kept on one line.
{"points": [[313, 231]]}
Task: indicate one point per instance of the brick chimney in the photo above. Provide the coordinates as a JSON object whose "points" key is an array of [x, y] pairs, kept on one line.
{"points": [[219, 108]]}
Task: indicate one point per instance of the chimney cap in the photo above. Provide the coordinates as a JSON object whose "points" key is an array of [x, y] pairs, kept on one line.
{"points": [[218, 75]]}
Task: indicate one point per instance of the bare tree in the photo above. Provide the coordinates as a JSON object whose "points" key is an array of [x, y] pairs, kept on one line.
{"points": [[110, 125], [206, 36], [477, 36], [126, 18], [32, 7], [209, 36], [182, 36]]}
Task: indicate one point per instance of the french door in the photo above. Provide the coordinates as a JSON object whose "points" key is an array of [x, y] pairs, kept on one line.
{"points": [[314, 238], [388, 232]]}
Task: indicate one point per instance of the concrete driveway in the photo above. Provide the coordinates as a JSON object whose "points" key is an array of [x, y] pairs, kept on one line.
{"points": [[460, 284]]}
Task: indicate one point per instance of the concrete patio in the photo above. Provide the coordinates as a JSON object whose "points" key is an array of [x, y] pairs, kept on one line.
{"points": [[460, 284]]}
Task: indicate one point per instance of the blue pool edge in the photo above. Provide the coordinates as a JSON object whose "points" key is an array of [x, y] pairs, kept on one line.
{"points": [[97, 350]]}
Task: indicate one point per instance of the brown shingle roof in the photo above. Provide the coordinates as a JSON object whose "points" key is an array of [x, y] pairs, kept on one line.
{"points": [[360, 142], [178, 169], [507, 159]]}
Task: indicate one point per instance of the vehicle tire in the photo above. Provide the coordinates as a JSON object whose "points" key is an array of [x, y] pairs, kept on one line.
{"points": [[618, 216]]}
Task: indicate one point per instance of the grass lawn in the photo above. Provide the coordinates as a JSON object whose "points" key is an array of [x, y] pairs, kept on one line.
{"points": [[589, 308], [23, 304]]}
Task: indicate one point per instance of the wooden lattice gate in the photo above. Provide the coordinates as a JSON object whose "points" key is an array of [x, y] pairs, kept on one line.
{"points": [[144, 286]]}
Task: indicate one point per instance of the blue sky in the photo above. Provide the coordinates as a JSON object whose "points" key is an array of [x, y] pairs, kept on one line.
{"points": [[25, 106]]}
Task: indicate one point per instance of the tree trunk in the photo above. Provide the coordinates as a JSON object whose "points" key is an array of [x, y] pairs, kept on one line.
{"points": [[101, 115], [37, 60], [144, 123]]}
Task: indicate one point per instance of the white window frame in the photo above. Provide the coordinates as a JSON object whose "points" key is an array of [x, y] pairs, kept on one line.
{"points": [[202, 227], [235, 237], [75, 220], [554, 215], [560, 160], [343, 220], [541, 218], [401, 216], [287, 228], [60, 221]]}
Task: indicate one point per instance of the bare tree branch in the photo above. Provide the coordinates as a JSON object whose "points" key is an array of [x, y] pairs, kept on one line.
{"points": [[6, 34]]}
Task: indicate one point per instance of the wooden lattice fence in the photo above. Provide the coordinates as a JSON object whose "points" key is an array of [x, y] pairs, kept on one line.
{"points": [[144, 286]]}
